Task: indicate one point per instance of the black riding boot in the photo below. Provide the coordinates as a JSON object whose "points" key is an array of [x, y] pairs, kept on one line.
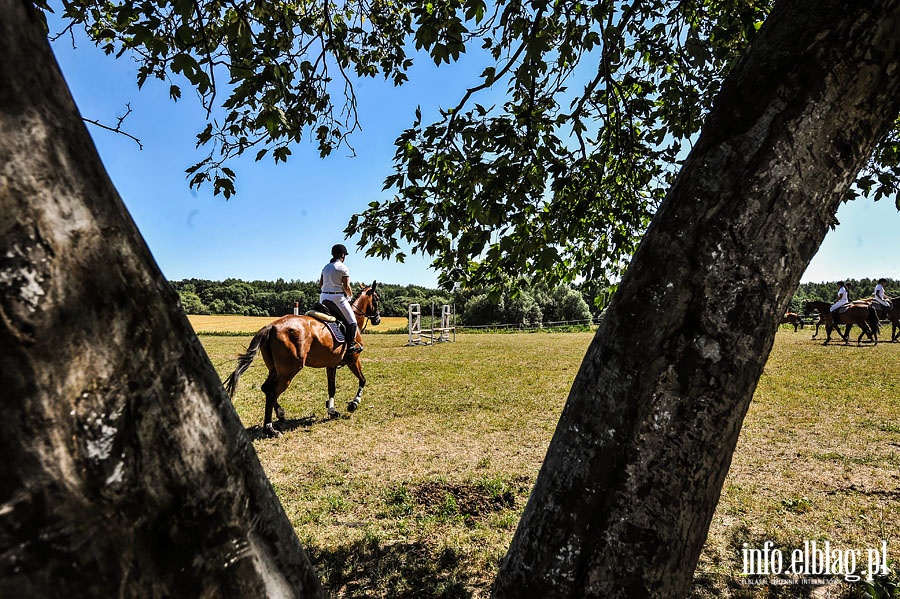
{"points": [[352, 346]]}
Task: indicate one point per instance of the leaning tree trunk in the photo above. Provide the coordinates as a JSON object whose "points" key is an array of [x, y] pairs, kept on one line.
{"points": [[125, 470], [624, 499]]}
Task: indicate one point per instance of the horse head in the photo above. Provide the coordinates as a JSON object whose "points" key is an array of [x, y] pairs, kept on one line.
{"points": [[369, 299], [814, 306]]}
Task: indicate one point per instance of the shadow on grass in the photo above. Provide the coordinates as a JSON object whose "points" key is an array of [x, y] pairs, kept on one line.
{"points": [[285, 426], [368, 568]]}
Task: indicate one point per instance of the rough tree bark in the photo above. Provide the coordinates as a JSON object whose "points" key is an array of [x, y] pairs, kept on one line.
{"points": [[125, 471], [624, 499]]}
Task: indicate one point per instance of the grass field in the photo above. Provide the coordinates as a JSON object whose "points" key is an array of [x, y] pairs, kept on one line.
{"points": [[418, 493]]}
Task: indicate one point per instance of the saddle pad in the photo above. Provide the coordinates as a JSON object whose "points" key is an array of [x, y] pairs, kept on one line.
{"points": [[336, 331]]}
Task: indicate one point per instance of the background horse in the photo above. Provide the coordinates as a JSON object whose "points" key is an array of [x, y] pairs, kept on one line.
{"points": [[792, 318], [893, 315], [860, 314], [807, 310], [292, 342]]}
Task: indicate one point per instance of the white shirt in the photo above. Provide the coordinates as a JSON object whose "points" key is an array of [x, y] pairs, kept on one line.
{"points": [[842, 299], [332, 275], [879, 295]]}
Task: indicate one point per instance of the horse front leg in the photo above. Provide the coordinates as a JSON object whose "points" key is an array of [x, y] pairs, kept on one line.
{"points": [[356, 369], [846, 334], [331, 372]]}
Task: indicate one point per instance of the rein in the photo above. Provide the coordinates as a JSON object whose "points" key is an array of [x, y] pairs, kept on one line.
{"points": [[363, 314]]}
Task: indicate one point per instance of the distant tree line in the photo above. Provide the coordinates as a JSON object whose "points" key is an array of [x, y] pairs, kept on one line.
{"points": [[827, 291], [526, 304], [520, 304]]}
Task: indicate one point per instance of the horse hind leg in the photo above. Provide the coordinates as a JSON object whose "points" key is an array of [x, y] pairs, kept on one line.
{"points": [[870, 333], [269, 388], [276, 384]]}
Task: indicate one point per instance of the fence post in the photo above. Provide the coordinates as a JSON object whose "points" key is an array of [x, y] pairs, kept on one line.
{"points": [[415, 324]]}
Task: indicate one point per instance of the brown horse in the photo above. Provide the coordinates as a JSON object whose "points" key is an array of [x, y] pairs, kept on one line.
{"points": [[819, 322], [893, 314], [792, 318], [858, 313], [292, 342]]}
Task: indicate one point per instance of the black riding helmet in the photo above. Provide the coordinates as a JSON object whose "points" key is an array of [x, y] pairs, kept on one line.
{"points": [[338, 250]]}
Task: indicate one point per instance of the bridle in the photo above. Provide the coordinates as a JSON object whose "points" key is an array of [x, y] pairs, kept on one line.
{"points": [[375, 318]]}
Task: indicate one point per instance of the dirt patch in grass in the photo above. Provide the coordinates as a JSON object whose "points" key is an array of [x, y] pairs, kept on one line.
{"points": [[470, 501]]}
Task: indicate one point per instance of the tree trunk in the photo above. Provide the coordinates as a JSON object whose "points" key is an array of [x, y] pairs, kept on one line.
{"points": [[125, 470], [624, 499]]}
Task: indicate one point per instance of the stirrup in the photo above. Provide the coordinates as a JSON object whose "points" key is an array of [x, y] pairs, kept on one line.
{"points": [[355, 348]]}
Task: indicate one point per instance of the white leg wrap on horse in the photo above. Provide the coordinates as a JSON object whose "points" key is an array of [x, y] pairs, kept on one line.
{"points": [[329, 407], [352, 405]]}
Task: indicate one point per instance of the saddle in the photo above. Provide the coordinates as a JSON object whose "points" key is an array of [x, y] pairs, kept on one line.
{"points": [[881, 310], [836, 314], [328, 313]]}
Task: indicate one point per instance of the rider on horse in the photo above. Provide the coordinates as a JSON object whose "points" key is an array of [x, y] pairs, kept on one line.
{"points": [[335, 287], [842, 300], [881, 301]]}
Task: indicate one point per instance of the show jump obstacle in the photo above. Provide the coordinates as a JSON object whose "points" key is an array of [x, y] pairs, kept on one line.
{"points": [[435, 334]]}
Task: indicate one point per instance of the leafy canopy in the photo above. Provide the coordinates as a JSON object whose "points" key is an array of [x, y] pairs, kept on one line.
{"points": [[558, 181]]}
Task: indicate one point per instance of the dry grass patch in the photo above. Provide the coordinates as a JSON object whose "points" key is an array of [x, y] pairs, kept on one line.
{"points": [[418, 493], [817, 459], [215, 323], [219, 324]]}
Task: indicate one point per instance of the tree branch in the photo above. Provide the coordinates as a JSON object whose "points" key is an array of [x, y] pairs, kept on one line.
{"points": [[118, 127]]}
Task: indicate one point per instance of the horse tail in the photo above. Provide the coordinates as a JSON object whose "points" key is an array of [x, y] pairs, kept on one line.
{"points": [[245, 359], [873, 320]]}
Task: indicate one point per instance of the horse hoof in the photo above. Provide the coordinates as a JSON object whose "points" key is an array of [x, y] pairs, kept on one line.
{"points": [[271, 431], [351, 406], [332, 413]]}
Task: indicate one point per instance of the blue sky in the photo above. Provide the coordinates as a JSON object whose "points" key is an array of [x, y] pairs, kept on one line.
{"points": [[285, 218]]}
